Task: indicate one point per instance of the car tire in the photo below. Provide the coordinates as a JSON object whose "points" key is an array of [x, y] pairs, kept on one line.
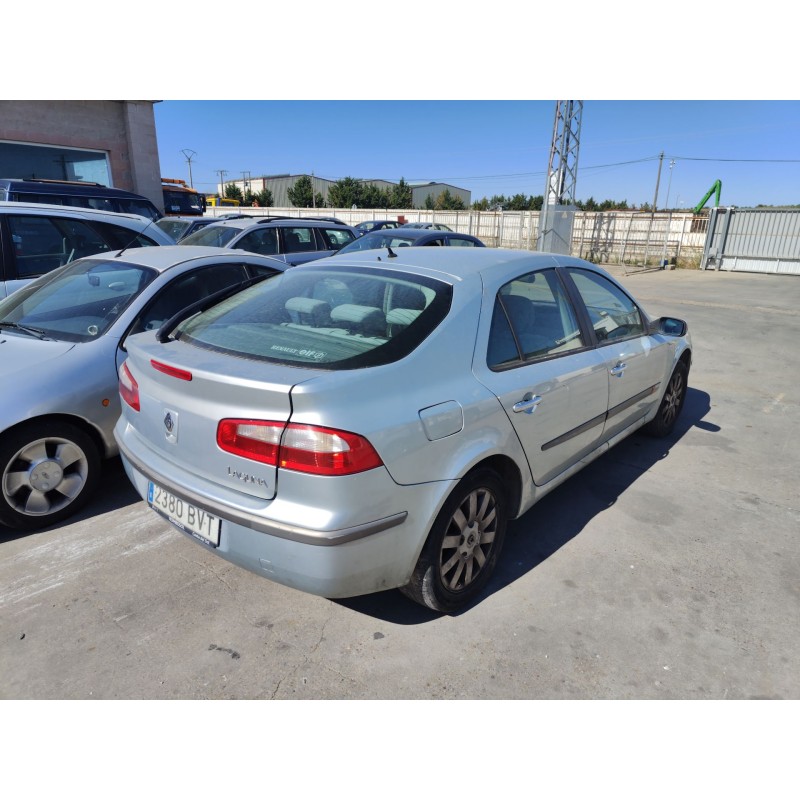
{"points": [[671, 403], [463, 546], [48, 470]]}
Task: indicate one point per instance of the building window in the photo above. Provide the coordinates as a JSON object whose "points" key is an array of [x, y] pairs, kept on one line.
{"points": [[28, 161]]}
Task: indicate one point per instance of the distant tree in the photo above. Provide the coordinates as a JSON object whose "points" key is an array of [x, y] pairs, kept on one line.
{"points": [[265, 199], [374, 197], [301, 195], [537, 202], [248, 198], [447, 201], [345, 193], [400, 196], [519, 202], [498, 202], [481, 205], [430, 203], [233, 192]]}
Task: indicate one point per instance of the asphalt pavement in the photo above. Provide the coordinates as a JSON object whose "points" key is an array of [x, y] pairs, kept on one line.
{"points": [[665, 569]]}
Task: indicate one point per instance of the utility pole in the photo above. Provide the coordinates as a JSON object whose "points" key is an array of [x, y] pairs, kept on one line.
{"points": [[658, 180], [653, 211], [245, 182], [189, 155], [222, 173], [669, 183]]}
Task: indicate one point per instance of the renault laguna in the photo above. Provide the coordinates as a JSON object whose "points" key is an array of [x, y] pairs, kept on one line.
{"points": [[374, 420]]}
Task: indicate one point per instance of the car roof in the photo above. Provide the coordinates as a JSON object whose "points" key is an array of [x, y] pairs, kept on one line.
{"points": [[242, 223], [456, 262], [170, 255], [72, 211]]}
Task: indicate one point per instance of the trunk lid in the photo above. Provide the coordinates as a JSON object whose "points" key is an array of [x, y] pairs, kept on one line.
{"points": [[179, 417]]}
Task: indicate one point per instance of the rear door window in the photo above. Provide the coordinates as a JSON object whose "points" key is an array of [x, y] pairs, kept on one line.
{"points": [[298, 240], [533, 319], [263, 241], [42, 243], [334, 238]]}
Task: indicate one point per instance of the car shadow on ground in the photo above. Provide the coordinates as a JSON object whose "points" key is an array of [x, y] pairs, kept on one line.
{"points": [[114, 492], [558, 517]]}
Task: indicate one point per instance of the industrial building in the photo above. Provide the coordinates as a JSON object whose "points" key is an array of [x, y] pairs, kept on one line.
{"points": [[279, 186]]}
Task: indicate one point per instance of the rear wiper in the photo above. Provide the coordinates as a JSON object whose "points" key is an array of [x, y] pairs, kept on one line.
{"points": [[15, 326]]}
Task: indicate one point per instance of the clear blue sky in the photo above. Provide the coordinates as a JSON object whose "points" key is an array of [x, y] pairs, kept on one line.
{"points": [[496, 147], [352, 90]]}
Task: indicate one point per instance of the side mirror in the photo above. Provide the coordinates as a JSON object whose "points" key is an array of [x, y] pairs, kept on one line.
{"points": [[670, 326]]}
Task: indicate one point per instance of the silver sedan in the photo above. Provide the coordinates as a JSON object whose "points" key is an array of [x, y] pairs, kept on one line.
{"points": [[373, 421], [62, 338]]}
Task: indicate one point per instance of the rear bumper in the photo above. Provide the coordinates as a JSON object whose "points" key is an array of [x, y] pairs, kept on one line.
{"points": [[340, 561]]}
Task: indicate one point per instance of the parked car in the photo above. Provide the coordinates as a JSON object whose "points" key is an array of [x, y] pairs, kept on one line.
{"points": [[79, 194], [373, 421], [291, 239], [410, 237], [36, 238], [430, 226], [62, 338], [180, 227], [376, 225]]}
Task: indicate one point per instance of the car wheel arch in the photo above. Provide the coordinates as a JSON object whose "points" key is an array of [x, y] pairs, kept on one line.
{"points": [[70, 419], [508, 471]]}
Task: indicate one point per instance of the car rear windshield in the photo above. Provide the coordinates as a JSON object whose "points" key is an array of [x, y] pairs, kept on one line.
{"points": [[212, 236], [328, 318], [378, 239]]}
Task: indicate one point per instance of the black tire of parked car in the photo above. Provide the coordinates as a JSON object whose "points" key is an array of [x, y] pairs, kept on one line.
{"points": [[463, 546], [48, 471], [671, 404]]}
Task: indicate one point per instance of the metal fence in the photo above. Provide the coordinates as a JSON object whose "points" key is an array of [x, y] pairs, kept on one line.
{"points": [[753, 240], [638, 239]]}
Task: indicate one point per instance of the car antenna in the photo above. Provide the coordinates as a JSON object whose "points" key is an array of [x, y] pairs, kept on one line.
{"points": [[135, 237], [392, 254]]}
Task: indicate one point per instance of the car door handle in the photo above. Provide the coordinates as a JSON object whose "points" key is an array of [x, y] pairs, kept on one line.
{"points": [[618, 370], [527, 404]]}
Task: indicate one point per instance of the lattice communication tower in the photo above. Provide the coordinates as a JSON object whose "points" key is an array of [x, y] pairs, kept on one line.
{"points": [[558, 209]]}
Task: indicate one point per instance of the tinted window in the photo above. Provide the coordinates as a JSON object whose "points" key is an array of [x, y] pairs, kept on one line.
{"points": [[327, 318], [263, 241], [187, 289], [133, 206], [613, 314], [335, 238], [298, 240], [212, 236], [532, 319], [43, 243], [454, 242]]}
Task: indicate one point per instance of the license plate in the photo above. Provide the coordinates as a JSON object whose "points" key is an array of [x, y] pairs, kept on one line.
{"points": [[190, 519]]}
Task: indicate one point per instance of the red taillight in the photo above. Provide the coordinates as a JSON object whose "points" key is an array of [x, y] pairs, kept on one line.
{"points": [[182, 374], [303, 448], [128, 388]]}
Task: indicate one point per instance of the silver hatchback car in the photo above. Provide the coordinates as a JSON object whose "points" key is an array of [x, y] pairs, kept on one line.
{"points": [[374, 420], [62, 338]]}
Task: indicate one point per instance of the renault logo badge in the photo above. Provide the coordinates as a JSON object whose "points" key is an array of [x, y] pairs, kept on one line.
{"points": [[171, 425]]}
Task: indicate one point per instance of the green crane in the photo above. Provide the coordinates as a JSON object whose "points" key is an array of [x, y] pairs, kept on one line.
{"points": [[716, 187]]}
